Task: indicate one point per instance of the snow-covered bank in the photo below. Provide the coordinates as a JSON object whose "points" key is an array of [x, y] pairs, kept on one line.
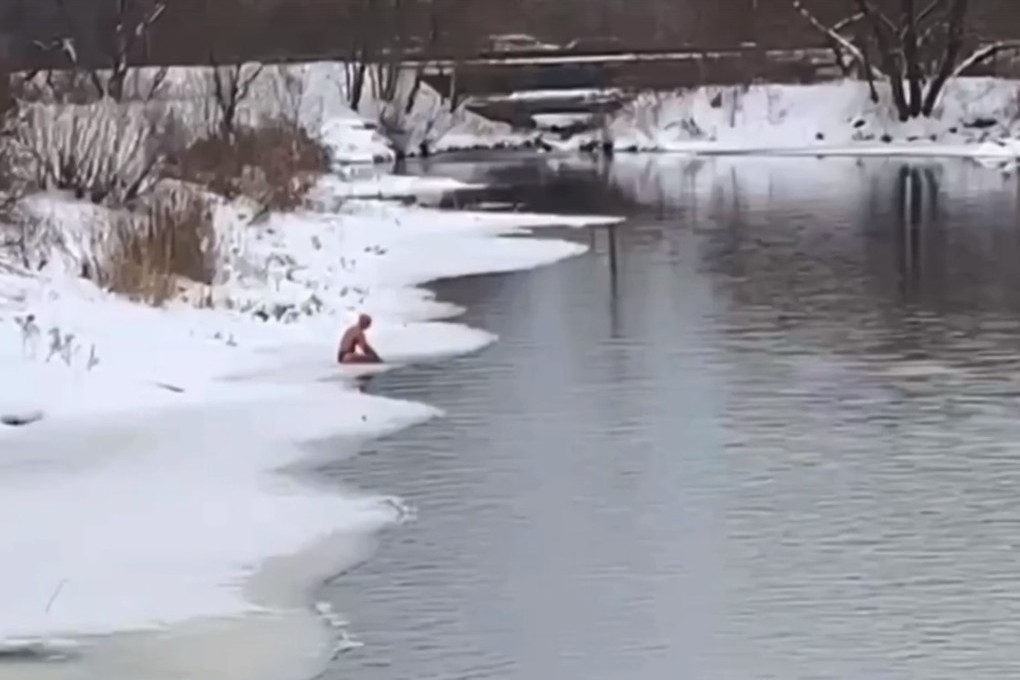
{"points": [[976, 117], [146, 494], [315, 94]]}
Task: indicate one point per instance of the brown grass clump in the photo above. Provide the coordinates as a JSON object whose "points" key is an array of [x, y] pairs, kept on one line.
{"points": [[274, 164], [148, 250]]}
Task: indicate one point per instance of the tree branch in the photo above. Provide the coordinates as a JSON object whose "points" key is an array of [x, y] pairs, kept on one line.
{"points": [[984, 54], [871, 12], [838, 39], [928, 11], [913, 68], [887, 54], [849, 21], [954, 42], [157, 82]]}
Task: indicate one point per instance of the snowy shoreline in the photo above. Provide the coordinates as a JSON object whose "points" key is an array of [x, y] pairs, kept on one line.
{"points": [[143, 446], [152, 507], [977, 117]]}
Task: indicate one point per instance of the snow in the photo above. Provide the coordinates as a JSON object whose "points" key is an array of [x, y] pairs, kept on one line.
{"points": [[977, 117], [555, 121], [315, 95], [590, 94], [377, 184], [146, 493], [350, 139], [141, 465]]}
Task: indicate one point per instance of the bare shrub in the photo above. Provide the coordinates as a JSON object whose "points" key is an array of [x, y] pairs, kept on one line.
{"points": [[30, 240], [288, 89], [17, 233], [229, 87], [56, 87], [274, 164], [101, 152], [15, 182], [145, 252], [146, 84]]}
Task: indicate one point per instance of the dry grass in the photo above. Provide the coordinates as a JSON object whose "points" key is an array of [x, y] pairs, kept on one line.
{"points": [[102, 152], [149, 249], [274, 164]]}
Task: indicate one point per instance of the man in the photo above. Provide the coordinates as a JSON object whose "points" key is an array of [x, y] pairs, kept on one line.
{"points": [[354, 347]]}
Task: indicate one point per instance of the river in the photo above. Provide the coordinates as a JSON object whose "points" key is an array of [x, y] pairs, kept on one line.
{"points": [[765, 428]]}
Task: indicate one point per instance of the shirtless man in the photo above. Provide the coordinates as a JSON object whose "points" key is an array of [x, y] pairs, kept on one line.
{"points": [[354, 348]]}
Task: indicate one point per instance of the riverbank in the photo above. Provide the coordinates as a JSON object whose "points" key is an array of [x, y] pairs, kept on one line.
{"points": [[147, 485], [976, 117]]}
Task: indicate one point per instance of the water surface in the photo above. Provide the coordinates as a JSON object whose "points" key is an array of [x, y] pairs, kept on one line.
{"points": [[767, 430]]}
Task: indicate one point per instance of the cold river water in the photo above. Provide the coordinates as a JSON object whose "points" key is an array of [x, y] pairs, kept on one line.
{"points": [[769, 427]]}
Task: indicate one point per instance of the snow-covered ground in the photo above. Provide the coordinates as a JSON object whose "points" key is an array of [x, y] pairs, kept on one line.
{"points": [[144, 490], [977, 117], [140, 446], [316, 95]]}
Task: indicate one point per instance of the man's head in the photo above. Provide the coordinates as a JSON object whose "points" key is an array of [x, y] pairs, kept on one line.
{"points": [[364, 321]]}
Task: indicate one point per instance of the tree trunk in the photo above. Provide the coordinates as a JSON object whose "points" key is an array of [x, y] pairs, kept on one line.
{"points": [[115, 83], [910, 56], [891, 65], [869, 74], [951, 54], [358, 86]]}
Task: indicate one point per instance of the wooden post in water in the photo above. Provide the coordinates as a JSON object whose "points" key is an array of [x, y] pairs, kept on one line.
{"points": [[614, 292], [611, 233]]}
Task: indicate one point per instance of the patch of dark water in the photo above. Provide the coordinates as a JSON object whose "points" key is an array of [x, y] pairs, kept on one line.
{"points": [[776, 439]]}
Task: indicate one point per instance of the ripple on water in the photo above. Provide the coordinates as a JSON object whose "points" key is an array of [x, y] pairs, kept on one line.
{"points": [[777, 444]]}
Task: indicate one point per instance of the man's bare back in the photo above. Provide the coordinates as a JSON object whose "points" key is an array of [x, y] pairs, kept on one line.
{"points": [[354, 347]]}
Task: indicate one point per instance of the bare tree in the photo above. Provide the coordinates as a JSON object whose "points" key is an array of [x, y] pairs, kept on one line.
{"points": [[289, 92], [362, 48], [380, 36], [447, 43], [917, 48], [105, 45], [230, 86]]}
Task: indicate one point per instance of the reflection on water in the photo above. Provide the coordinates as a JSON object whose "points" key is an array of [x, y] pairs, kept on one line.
{"points": [[776, 440]]}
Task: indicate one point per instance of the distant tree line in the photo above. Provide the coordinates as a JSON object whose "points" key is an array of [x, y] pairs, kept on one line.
{"points": [[915, 46], [310, 29]]}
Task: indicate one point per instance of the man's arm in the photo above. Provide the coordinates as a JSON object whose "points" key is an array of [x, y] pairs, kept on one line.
{"points": [[367, 348]]}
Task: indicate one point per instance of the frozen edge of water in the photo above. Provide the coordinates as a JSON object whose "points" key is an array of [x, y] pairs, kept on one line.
{"points": [[41, 652]]}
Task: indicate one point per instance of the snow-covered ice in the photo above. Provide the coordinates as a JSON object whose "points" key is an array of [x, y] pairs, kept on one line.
{"points": [[146, 494], [381, 184]]}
